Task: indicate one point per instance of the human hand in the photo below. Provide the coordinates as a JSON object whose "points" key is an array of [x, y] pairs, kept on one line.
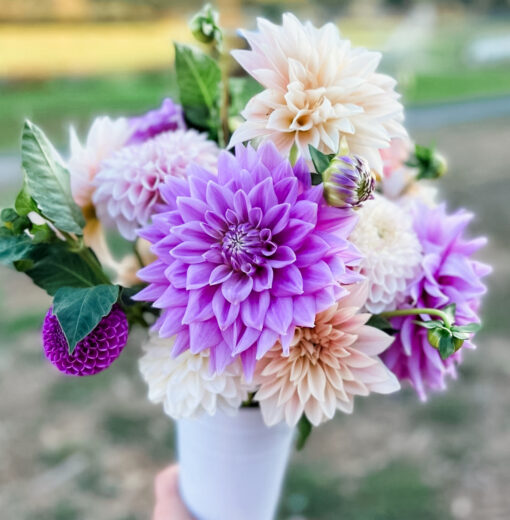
{"points": [[169, 505]]}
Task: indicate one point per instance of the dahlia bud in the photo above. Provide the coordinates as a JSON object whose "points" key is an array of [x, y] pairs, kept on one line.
{"points": [[348, 181], [204, 25], [94, 353]]}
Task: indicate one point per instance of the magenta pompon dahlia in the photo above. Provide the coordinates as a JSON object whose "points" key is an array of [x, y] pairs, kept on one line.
{"points": [[168, 117], [449, 275], [93, 354], [245, 256]]}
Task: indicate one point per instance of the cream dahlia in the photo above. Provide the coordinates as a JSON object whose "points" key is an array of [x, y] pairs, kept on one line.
{"points": [[185, 384], [391, 251], [105, 137], [317, 89], [127, 185], [326, 367]]}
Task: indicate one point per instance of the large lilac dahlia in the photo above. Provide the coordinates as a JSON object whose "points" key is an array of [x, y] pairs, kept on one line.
{"points": [[449, 275], [245, 256]]}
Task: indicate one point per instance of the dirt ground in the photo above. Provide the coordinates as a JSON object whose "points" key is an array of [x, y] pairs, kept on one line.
{"points": [[88, 449]]}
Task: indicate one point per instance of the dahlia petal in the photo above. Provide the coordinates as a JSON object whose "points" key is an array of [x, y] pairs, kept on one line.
{"points": [[288, 281], [279, 315], [198, 275], [282, 257], [277, 217], [203, 335], [237, 288], [225, 312], [254, 308], [220, 274]]}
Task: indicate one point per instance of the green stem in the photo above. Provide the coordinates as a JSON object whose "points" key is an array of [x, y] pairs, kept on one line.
{"points": [[91, 261], [416, 312], [137, 254]]}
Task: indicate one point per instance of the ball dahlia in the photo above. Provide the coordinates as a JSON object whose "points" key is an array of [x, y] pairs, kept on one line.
{"points": [[93, 354], [163, 119], [317, 89], [185, 384], [105, 137], [127, 185], [448, 275], [245, 256], [391, 252], [328, 365]]}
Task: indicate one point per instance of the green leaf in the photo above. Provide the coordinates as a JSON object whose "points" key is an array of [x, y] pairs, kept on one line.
{"points": [[469, 328], [304, 429], [48, 181], [14, 248], [8, 215], [450, 311], [320, 160], [198, 78], [432, 324], [79, 310], [241, 91], [55, 267], [24, 203], [381, 323], [446, 343]]}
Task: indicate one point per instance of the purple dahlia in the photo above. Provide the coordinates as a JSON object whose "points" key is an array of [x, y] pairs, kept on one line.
{"points": [[449, 276], [93, 354], [166, 118], [245, 256]]}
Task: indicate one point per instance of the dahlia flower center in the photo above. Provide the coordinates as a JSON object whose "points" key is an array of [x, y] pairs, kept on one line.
{"points": [[304, 106], [244, 247]]}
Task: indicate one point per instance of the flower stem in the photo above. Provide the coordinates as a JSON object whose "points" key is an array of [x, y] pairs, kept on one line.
{"points": [[416, 312]]}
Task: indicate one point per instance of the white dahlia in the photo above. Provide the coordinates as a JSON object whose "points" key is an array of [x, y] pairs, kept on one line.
{"points": [[105, 137], [127, 185], [317, 89], [186, 385], [391, 252]]}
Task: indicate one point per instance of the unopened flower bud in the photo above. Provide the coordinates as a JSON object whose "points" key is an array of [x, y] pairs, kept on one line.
{"points": [[348, 181], [204, 25], [440, 165]]}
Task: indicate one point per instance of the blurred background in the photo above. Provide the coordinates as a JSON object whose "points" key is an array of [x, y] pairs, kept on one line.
{"points": [[89, 448]]}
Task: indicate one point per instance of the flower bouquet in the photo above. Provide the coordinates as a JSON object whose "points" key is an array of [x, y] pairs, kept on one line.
{"points": [[288, 252]]}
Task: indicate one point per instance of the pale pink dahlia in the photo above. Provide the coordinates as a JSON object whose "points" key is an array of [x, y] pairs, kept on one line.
{"points": [[105, 137], [127, 185], [317, 89], [328, 365], [245, 256]]}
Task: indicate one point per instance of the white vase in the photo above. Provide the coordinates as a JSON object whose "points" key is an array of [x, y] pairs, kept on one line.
{"points": [[232, 467]]}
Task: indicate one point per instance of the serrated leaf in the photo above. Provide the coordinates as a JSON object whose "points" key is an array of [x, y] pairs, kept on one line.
{"points": [[79, 310], [304, 429], [24, 203], [48, 181], [320, 160], [198, 78], [14, 248], [55, 267]]}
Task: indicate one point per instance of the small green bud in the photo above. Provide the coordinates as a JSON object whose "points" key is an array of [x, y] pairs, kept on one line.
{"points": [[204, 25]]}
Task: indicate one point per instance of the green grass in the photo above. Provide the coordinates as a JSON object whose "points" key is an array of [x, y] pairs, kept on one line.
{"points": [[396, 492], [55, 104], [458, 85]]}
